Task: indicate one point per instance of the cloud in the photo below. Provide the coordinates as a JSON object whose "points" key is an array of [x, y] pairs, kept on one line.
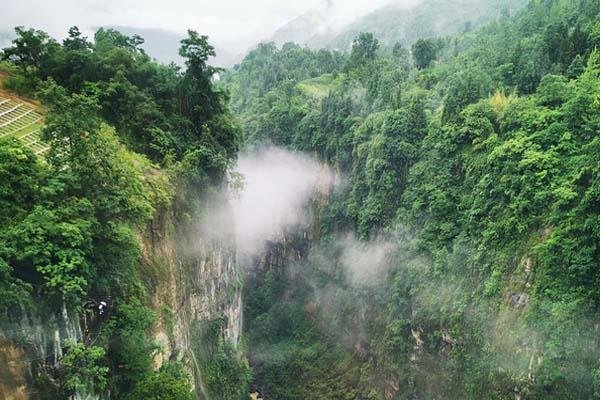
{"points": [[365, 261], [277, 184]]}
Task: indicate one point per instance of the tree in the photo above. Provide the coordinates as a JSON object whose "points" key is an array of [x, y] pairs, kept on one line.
{"points": [[30, 50], [196, 50], [18, 183], [87, 155], [82, 368], [364, 49], [424, 52], [201, 101], [52, 246], [465, 87], [75, 41], [107, 38]]}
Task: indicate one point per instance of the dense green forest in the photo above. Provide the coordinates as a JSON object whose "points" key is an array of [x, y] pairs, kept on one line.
{"points": [[476, 156], [474, 159]]}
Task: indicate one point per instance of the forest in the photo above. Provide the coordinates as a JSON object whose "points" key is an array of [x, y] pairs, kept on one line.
{"points": [[459, 259]]}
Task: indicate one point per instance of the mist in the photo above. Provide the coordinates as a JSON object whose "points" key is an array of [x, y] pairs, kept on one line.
{"points": [[276, 185]]}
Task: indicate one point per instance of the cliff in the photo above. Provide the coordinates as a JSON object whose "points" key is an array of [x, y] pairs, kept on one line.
{"points": [[199, 282], [192, 279]]}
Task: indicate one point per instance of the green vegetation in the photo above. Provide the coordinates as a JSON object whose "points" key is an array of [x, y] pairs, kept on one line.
{"points": [[473, 158], [120, 130], [477, 160], [224, 373], [318, 87], [170, 382], [81, 369]]}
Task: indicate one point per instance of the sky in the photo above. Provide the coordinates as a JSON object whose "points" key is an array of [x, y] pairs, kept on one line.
{"points": [[235, 25]]}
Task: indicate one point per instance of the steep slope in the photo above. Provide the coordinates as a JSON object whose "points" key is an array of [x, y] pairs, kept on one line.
{"points": [[113, 282], [193, 281]]}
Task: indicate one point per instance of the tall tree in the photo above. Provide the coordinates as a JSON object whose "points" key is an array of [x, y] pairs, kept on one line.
{"points": [[424, 52], [364, 49], [201, 100], [30, 49]]}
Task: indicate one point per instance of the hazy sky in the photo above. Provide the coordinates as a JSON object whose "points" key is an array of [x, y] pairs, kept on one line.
{"points": [[233, 24]]}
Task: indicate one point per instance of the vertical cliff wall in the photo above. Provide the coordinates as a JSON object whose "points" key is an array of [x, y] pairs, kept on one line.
{"points": [[199, 282]]}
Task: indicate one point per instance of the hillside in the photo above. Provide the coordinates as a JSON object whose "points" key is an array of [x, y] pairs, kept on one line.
{"points": [[431, 18], [397, 21], [108, 283], [399, 221]]}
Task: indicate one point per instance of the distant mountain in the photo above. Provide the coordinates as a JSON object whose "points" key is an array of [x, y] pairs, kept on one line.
{"points": [[398, 20], [302, 28], [164, 45], [317, 27], [393, 23]]}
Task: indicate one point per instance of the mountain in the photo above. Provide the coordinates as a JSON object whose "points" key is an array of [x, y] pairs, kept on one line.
{"points": [[302, 28], [393, 23], [330, 26], [319, 26], [473, 184]]}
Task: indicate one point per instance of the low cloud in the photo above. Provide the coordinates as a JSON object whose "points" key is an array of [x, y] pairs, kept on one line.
{"points": [[276, 186]]}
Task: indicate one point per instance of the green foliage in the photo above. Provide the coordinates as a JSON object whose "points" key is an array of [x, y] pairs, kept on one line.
{"points": [[130, 348], [70, 222], [18, 173], [290, 358], [31, 51], [170, 382], [424, 52], [55, 244], [485, 151], [364, 49], [318, 87], [15, 293], [82, 368], [156, 109], [223, 370]]}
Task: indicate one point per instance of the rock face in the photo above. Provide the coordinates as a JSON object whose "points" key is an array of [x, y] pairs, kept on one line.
{"points": [[32, 345], [200, 282], [196, 280]]}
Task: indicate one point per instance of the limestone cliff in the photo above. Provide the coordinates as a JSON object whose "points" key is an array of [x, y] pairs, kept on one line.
{"points": [[199, 281]]}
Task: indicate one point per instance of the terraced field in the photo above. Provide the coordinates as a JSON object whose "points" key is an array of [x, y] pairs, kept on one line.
{"points": [[20, 120]]}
